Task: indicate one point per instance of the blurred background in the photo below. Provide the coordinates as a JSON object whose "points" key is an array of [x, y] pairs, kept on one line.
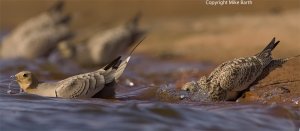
{"points": [[186, 30]]}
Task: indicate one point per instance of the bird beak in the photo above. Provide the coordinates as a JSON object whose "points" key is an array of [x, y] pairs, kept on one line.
{"points": [[13, 77], [183, 95]]}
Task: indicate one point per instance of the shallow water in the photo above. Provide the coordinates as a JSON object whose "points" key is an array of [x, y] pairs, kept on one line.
{"points": [[135, 106], [27, 112]]}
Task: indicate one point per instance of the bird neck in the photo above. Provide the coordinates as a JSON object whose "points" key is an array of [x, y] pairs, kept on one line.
{"points": [[32, 85]]}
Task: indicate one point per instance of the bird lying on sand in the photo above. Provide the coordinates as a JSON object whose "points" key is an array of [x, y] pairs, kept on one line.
{"points": [[38, 36], [79, 86], [234, 76], [101, 46]]}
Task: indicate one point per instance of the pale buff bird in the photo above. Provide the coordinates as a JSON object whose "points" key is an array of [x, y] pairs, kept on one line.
{"points": [[234, 76], [98, 48], [80, 86], [38, 36]]}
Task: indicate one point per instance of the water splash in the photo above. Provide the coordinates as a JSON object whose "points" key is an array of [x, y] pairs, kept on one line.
{"points": [[129, 83], [12, 79]]}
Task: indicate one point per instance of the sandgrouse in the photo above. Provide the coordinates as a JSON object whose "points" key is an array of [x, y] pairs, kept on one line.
{"points": [[79, 86], [234, 76], [98, 48], [38, 36]]}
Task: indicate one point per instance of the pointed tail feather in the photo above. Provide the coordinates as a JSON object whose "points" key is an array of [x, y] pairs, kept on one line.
{"points": [[271, 45], [111, 69], [124, 63], [268, 48], [136, 46], [121, 68], [117, 67]]}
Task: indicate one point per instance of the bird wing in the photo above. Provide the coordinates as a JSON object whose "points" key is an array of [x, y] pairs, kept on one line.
{"points": [[238, 74], [81, 86], [116, 68], [217, 70]]}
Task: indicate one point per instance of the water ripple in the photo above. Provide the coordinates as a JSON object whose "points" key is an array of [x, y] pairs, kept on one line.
{"points": [[30, 112]]}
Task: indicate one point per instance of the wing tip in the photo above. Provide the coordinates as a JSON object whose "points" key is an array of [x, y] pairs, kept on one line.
{"points": [[127, 59], [113, 63]]}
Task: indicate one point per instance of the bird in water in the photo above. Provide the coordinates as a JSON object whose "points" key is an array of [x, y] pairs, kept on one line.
{"points": [[98, 48], [38, 36], [79, 86], [234, 76]]}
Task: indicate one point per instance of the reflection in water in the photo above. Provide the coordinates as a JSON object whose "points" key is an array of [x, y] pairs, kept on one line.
{"points": [[136, 106]]}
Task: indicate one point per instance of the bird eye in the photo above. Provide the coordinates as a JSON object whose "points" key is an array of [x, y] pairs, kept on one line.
{"points": [[25, 75]]}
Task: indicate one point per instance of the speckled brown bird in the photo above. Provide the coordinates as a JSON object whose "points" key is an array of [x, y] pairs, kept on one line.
{"points": [[79, 86], [98, 48], [234, 76], [38, 36]]}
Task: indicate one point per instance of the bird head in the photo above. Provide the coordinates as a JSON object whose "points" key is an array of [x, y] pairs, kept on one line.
{"points": [[171, 93], [197, 90], [190, 86], [26, 80], [193, 86]]}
